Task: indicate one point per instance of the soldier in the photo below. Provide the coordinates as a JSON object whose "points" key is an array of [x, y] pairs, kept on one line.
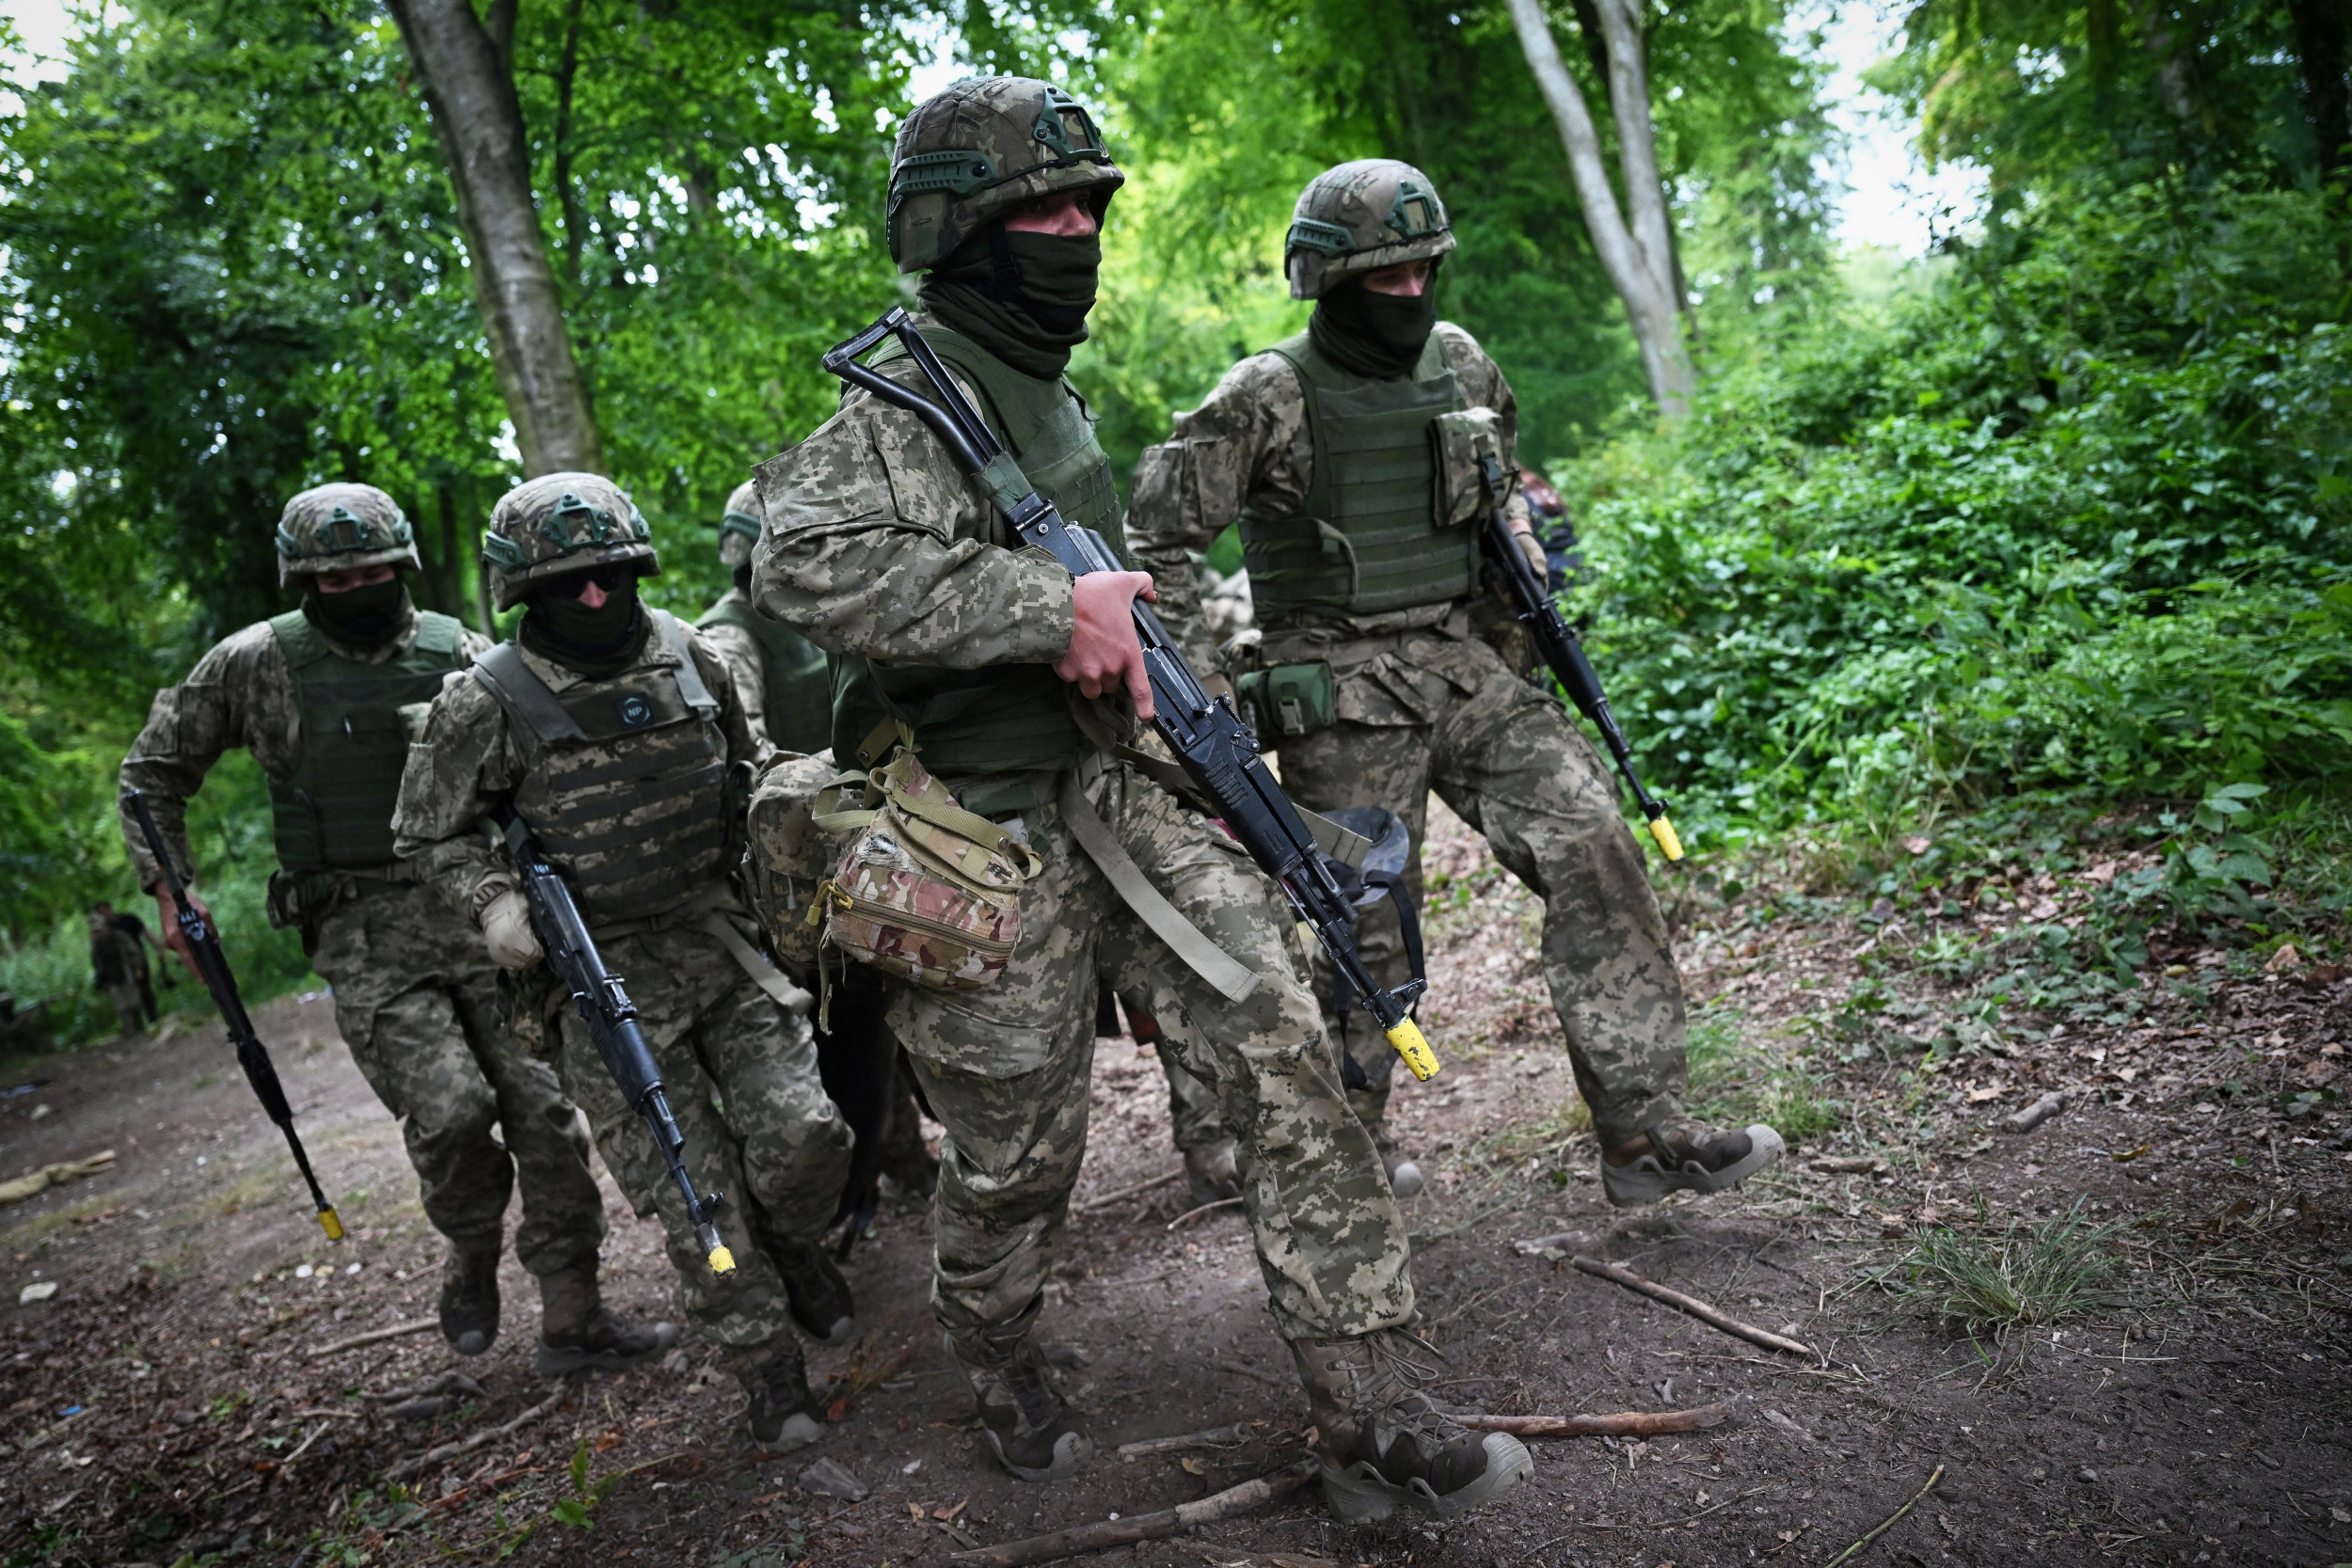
{"points": [[314, 695], [780, 676], [117, 961], [879, 549], [611, 729], [1367, 600]]}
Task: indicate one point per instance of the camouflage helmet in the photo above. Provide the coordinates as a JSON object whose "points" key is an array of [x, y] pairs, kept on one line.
{"points": [[340, 527], [738, 530], [1359, 218], [986, 145], [559, 523]]}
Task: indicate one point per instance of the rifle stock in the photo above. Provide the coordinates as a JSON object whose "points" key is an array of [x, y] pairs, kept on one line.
{"points": [[1208, 738], [212, 965]]}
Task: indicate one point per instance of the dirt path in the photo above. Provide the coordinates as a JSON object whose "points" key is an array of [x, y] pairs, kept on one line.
{"points": [[164, 1406]]}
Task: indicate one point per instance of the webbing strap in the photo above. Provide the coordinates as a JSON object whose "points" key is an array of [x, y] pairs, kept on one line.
{"points": [[706, 912], [524, 695], [689, 678], [1233, 979]]}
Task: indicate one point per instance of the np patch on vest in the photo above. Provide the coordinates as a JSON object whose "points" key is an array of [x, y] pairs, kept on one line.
{"points": [[635, 710]]}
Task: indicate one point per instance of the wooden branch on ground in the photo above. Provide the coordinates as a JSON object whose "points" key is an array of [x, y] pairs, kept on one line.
{"points": [[396, 1332], [1142, 1526], [1923, 1491], [407, 1467], [1631, 1423], [1619, 1273], [2036, 1114], [1215, 1437], [1090, 1205], [1190, 1214]]}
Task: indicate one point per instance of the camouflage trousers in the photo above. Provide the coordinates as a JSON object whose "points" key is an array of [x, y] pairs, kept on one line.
{"points": [[1439, 709], [1006, 1071], [134, 1003], [741, 1077], [417, 1002]]}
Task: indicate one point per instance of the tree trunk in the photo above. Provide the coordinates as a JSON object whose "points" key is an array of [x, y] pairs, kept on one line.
{"points": [[470, 87], [1638, 257], [2325, 53]]}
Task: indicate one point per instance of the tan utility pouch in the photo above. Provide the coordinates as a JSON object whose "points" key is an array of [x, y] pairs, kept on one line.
{"points": [[925, 890], [1460, 442], [788, 855]]}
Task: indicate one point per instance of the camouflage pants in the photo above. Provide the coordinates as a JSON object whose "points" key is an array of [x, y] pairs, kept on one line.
{"points": [[1193, 1116], [133, 1005], [1006, 1071], [742, 1076], [1429, 710], [416, 1000]]}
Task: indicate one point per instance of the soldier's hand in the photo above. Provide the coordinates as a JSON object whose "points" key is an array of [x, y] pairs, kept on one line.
{"points": [[168, 921], [1103, 653], [506, 927], [1532, 548]]}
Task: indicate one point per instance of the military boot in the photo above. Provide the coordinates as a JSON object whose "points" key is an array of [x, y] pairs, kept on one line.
{"points": [[1403, 1176], [470, 1294], [1383, 1442], [821, 1304], [1683, 1156], [578, 1331], [1035, 1434], [782, 1411], [1211, 1174]]}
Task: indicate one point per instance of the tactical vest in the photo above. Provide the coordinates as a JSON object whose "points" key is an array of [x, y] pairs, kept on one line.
{"points": [[1366, 539], [796, 690], [1011, 718], [623, 779], [335, 813]]}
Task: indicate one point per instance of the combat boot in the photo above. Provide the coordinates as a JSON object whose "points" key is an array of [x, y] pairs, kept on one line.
{"points": [[1383, 1442], [1683, 1156], [783, 1413], [469, 1293], [578, 1331], [1211, 1174], [822, 1302], [1403, 1176], [1035, 1434]]}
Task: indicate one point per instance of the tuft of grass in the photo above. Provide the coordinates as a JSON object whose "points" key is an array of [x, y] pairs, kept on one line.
{"points": [[1736, 1080], [2026, 1276]]}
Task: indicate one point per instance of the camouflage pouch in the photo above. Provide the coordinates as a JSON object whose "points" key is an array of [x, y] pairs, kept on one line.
{"points": [[297, 897], [1460, 442], [926, 891], [788, 855], [1288, 699]]}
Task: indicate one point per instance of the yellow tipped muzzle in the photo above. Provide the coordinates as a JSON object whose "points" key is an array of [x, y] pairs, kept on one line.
{"points": [[1407, 1038], [722, 1260], [1663, 832], [332, 1223]]}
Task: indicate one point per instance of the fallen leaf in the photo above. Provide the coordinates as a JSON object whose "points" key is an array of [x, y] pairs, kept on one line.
{"points": [[1918, 844], [2121, 1156], [1194, 1465], [948, 1515], [1978, 1097]]}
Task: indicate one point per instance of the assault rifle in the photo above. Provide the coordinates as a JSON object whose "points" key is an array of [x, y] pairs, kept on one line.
{"points": [[611, 1019], [1557, 645], [213, 965], [1208, 738]]}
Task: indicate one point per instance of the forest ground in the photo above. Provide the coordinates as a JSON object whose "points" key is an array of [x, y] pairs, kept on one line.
{"points": [[166, 1404]]}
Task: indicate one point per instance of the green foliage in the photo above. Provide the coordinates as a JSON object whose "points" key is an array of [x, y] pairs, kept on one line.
{"points": [[1735, 1081], [2024, 1277]]}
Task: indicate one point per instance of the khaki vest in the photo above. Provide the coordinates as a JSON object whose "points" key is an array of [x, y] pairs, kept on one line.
{"points": [[796, 690], [1367, 539], [623, 779], [335, 813], [1015, 717]]}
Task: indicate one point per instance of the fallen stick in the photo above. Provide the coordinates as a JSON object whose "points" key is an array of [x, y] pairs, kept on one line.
{"points": [[1923, 1491], [1090, 1205], [407, 1467], [2036, 1114], [1190, 1214], [1142, 1526], [1631, 1423], [396, 1331], [1215, 1437], [1619, 1273]]}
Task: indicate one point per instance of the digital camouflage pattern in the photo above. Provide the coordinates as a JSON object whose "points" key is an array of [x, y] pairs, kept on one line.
{"points": [[1359, 218], [561, 523], [1250, 445], [717, 1038], [739, 525], [413, 987], [342, 527], [1423, 701], [981, 148]]}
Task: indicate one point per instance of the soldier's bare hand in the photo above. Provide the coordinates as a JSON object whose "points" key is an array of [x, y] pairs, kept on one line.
{"points": [[168, 919], [1103, 653]]}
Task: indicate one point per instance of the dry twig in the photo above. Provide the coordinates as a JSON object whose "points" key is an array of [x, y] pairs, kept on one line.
{"points": [[1141, 1527], [1215, 1437], [1090, 1205], [1932, 1479], [1631, 1423], [396, 1331], [407, 1467], [1619, 1273]]}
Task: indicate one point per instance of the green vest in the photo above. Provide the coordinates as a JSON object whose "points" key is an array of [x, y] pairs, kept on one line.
{"points": [[1366, 540], [797, 691], [336, 812], [1010, 718]]}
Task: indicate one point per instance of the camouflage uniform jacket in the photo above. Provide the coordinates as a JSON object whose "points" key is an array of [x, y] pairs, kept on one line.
{"points": [[878, 544], [468, 761], [240, 693], [1249, 444]]}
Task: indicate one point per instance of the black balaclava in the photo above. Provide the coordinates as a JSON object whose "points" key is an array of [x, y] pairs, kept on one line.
{"points": [[743, 577], [367, 616], [1380, 336], [597, 643], [1022, 296]]}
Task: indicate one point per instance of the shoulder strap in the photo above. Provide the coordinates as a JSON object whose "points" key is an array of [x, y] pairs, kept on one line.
{"points": [[525, 697], [440, 634], [298, 639], [689, 676]]}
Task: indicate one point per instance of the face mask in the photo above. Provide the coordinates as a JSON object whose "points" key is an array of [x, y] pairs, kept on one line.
{"points": [[598, 641], [362, 617], [1023, 296], [1374, 335]]}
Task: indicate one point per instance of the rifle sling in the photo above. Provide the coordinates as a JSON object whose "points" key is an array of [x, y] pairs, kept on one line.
{"points": [[1234, 980]]}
